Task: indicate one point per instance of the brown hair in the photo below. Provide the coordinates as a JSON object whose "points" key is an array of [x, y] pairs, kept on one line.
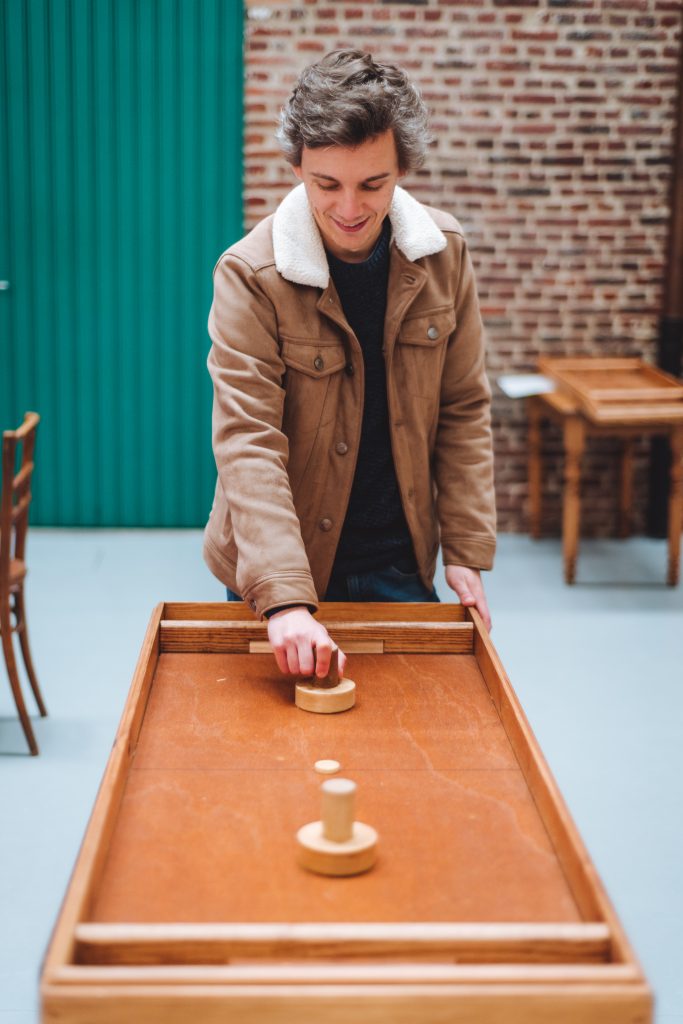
{"points": [[348, 98]]}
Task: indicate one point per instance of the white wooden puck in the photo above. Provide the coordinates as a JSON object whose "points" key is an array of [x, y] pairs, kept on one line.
{"points": [[326, 766]]}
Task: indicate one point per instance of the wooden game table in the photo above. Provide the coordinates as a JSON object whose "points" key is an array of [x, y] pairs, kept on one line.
{"points": [[621, 398], [187, 902]]}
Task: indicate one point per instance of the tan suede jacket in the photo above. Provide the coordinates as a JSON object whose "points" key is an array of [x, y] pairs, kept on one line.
{"points": [[287, 372]]}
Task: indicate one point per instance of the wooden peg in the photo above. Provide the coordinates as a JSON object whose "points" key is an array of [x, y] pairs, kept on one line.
{"points": [[332, 677], [337, 845], [339, 805]]}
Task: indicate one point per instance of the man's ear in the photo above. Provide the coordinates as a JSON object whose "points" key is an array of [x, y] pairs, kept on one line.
{"points": [[299, 173]]}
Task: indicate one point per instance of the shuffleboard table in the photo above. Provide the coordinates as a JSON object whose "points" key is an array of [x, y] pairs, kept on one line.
{"points": [[187, 902]]}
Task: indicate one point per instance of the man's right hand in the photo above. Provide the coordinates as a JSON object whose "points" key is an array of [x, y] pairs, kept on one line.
{"points": [[302, 646]]}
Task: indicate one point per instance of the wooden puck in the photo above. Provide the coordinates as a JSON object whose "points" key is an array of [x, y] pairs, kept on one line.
{"points": [[337, 845], [325, 700], [325, 857]]}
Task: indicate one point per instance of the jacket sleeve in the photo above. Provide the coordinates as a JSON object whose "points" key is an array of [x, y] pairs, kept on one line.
{"points": [[250, 448], [463, 456]]}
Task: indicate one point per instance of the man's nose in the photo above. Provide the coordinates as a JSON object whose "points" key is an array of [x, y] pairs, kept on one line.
{"points": [[348, 206]]}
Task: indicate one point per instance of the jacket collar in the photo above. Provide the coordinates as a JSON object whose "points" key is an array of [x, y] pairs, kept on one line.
{"points": [[298, 246]]}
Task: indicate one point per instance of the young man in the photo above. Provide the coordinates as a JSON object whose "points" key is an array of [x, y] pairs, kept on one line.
{"points": [[351, 420]]}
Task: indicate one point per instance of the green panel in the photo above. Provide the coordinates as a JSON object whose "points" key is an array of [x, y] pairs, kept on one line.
{"points": [[120, 143]]}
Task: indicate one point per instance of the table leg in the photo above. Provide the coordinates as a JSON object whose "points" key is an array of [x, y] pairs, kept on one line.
{"points": [[675, 505], [626, 488], [534, 416], [574, 443]]}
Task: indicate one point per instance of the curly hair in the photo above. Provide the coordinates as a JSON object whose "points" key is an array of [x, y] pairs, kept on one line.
{"points": [[348, 98]]}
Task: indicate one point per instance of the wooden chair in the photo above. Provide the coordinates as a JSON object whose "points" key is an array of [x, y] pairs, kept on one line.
{"points": [[14, 506]]}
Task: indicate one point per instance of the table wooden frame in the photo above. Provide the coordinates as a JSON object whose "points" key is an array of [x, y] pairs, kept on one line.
{"points": [[576, 424], [480, 973]]}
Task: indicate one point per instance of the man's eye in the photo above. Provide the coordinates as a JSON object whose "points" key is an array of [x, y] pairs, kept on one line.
{"points": [[327, 188], [371, 188]]}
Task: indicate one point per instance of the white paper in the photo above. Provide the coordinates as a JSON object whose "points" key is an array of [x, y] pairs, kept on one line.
{"points": [[521, 385]]}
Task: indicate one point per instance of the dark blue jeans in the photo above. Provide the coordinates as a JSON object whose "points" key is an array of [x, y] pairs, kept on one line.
{"points": [[390, 584]]}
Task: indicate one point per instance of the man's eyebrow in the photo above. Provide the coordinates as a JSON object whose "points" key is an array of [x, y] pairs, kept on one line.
{"points": [[374, 177]]}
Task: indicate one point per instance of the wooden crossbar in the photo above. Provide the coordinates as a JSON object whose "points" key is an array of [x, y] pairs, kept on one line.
{"points": [[195, 944], [209, 636]]}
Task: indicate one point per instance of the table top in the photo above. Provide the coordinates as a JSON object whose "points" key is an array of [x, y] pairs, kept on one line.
{"points": [[223, 777], [613, 391]]}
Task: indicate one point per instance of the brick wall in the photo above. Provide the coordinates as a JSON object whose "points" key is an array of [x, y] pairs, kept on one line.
{"points": [[553, 124]]}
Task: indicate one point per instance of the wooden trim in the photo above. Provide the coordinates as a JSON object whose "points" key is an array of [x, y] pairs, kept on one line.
{"points": [[407, 973], [589, 1003], [94, 847], [329, 611], [556, 364], [657, 417], [195, 944], [178, 636], [350, 647]]}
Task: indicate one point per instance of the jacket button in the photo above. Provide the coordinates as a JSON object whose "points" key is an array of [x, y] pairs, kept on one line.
{"points": [[325, 525], [349, 369], [341, 448], [433, 333], [319, 363]]}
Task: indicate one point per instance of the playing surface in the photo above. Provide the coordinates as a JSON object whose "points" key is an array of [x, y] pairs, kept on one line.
{"points": [[223, 777]]}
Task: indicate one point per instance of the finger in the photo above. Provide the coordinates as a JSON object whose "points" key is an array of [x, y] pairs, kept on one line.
{"points": [[323, 656], [281, 659], [305, 657], [483, 610], [341, 662], [464, 592], [293, 659]]}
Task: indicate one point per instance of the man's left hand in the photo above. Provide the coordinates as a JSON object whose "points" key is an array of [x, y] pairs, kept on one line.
{"points": [[468, 586]]}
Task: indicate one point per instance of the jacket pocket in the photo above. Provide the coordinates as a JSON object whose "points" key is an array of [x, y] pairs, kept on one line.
{"points": [[421, 350], [311, 387], [313, 359]]}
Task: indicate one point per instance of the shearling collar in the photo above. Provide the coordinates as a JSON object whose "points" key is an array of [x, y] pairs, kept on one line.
{"points": [[299, 252]]}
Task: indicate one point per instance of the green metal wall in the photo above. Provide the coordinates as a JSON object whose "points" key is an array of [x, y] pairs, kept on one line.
{"points": [[120, 184]]}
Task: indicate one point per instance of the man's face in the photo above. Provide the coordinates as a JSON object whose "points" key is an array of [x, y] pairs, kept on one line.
{"points": [[350, 192]]}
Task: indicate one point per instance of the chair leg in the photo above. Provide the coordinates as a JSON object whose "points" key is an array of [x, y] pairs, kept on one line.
{"points": [[10, 662], [22, 630]]}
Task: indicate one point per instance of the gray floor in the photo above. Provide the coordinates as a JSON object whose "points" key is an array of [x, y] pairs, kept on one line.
{"points": [[598, 668]]}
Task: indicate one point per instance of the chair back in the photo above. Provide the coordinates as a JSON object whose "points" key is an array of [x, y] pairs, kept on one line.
{"points": [[16, 492]]}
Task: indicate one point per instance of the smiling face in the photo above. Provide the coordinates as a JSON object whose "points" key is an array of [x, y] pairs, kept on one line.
{"points": [[350, 192]]}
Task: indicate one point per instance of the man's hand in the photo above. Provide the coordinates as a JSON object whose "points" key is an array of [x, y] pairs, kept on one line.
{"points": [[301, 645], [469, 588]]}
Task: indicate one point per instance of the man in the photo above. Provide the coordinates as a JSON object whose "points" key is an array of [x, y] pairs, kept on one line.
{"points": [[351, 422]]}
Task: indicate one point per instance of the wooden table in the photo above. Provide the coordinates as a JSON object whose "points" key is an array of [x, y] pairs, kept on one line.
{"points": [[187, 904], [622, 398]]}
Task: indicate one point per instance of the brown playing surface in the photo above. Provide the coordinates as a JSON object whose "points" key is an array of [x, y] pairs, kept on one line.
{"points": [[223, 777]]}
